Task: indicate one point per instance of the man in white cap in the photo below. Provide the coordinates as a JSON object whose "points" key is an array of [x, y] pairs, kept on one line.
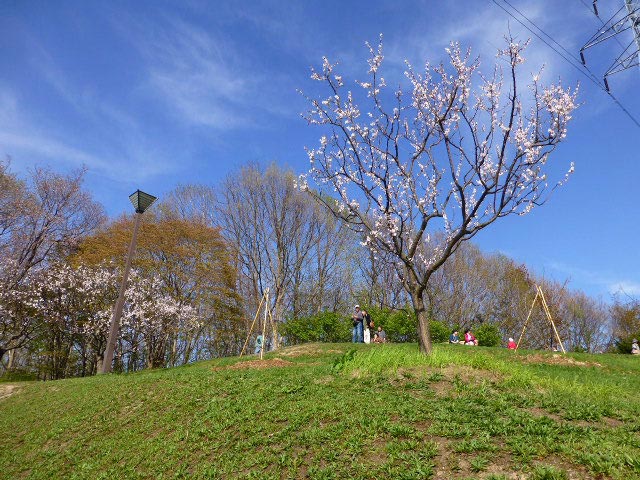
{"points": [[357, 335]]}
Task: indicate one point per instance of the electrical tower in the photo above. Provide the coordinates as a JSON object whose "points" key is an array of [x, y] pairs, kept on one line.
{"points": [[626, 18]]}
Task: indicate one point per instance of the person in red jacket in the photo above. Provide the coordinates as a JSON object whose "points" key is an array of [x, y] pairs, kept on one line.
{"points": [[512, 345]]}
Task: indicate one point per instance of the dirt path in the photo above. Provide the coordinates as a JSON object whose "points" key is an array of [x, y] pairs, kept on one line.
{"points": [[7, 389]]}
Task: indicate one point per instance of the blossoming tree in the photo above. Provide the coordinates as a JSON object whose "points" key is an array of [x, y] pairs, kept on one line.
{"points": [[420, 171]]}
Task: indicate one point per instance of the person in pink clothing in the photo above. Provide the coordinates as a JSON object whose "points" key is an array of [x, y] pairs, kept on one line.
{"points": [[469, 339], [512, 345]]}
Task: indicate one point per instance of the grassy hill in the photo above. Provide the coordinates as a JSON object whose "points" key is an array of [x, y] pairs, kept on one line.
{"points": [[335, 411]]}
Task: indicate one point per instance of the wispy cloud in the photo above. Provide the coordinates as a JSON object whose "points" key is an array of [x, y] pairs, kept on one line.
{"points": [[203, 77], [193, 73], [604, 281], [625, 287]]}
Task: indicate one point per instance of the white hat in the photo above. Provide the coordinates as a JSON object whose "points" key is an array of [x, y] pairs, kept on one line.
{"points": [[510, 339], [357, 306]]}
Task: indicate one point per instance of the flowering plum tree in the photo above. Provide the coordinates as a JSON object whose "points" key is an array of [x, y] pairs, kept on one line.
{"points": [[420, 171]]}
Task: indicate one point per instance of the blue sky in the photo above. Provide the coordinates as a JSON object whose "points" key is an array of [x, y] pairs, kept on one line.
{"points": [[149, 94]]}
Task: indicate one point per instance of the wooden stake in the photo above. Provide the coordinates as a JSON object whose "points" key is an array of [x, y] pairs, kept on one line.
{"points": [[548, 312], [252, 324], [264, 325], [527, 320]]}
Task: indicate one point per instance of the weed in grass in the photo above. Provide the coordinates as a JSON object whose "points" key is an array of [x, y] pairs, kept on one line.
{"points": [[340, 362], [453, 463], [398, 430], [478, 464], [474, 445], [543, 472]]}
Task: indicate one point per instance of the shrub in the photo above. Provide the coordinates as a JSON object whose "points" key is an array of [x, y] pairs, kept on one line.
{"points": [[322, 327], [439, 331], [488, 335], [400, 325], [18, 375], [623, 345]]}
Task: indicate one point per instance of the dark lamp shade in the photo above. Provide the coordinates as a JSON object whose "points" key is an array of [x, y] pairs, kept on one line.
{"points": [[141, 201]]}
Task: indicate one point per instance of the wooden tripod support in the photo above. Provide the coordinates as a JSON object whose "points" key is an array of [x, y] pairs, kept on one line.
{"points": [[264, 304], [545, 308]]}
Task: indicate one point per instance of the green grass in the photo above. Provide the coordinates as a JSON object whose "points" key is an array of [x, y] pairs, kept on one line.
{"points": [[335, 411]]}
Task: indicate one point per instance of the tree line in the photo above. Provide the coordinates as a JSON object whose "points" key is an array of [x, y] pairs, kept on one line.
{"points": [[206, 255]]}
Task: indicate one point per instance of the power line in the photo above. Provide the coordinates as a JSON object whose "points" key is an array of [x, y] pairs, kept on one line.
{"points": [[589, 75], [545, 34]]}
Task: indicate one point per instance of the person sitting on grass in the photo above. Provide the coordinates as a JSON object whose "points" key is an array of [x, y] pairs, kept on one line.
{"points": [[635, 349], [469, 339], [453, 338], [512, 345], [381, 336]]}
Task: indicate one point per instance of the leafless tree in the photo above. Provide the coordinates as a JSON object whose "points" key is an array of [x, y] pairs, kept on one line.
{"points": [[39, 220]]}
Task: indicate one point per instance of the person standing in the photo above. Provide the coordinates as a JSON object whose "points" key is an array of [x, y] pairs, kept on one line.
{"points": [[358, 319], [366, 327]]}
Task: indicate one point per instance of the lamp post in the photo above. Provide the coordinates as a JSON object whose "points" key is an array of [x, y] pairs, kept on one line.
{"points": [[141, 201]]}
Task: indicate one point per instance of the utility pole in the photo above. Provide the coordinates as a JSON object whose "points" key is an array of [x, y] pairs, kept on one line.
{"points": [[626, 18], [634, 16]]}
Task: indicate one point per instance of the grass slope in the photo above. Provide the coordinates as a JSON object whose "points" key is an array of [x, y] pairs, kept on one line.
{"points": [[335, 411]]}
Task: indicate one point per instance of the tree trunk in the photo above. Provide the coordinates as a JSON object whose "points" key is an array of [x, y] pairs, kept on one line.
{"points": [[11, 360], [424, 337]]}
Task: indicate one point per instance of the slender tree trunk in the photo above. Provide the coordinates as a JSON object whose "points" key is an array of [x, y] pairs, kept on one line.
{"points": [[12, 356], [424, 337]]}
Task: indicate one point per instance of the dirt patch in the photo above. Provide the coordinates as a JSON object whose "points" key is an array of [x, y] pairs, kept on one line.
{"points": [[326, 380], [573, 471], [557, 359], [7, 389], [309, 349], [441, 381], [258, 364], [612, 422], [469, 374], [540, 412]]}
